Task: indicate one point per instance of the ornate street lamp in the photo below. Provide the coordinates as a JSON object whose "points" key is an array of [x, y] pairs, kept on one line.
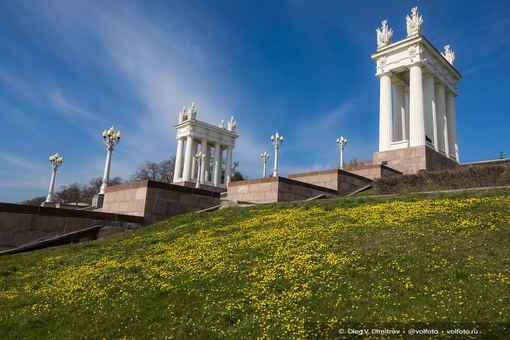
{"points": [[265, 157], [55, 161], [342, 142], [200, 157], [110, 139], [276, 140]]}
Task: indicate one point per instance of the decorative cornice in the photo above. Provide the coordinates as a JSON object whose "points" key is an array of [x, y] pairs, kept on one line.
{"points": [[417, 49]]}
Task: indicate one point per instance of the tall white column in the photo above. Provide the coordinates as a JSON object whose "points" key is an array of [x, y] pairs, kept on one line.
{"points": [[188, 157], [440, 113], [194, 161], [446, 141], [399, 111], [406, 127], [428, 106], [207, 164], [219, 173], [385, 113], [434, 120], [217, 165], [178, 160], [452, 127], [228, 166], [203, 149], [416, 117]]}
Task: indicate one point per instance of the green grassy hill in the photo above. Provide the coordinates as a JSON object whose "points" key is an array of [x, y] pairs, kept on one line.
{"points": [[278, 271]]}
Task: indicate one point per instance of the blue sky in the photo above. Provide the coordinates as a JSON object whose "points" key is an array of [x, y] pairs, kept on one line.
{"points": [[71, 69]]}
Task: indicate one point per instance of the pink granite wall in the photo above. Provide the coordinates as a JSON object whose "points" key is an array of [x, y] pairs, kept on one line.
{"points": [[343, 182], [155, 201], [373, 171], [21, 224], [323, 178], [274, 189], [412, 160]]}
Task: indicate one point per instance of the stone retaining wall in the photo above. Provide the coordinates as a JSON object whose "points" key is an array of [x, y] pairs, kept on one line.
{"points": [[274, 189], [373, 171], [411, 160], [21, 224], [343, 182], [155, 201]]}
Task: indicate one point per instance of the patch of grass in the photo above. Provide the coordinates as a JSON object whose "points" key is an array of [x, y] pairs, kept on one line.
{"points": [[293, 270]]}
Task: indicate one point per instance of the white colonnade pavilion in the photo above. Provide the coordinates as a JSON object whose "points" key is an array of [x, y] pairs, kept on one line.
{"points": [[214, 142], [418, 85]]}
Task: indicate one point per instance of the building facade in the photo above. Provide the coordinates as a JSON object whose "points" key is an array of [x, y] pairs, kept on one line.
{"points": [[200, 151], [418, 86]]}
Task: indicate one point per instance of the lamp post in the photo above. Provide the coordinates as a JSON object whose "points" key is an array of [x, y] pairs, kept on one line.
{"points": [[55, 161], [276, 140], [200, 157], [342, 142], [265, 157], [110, 139]]}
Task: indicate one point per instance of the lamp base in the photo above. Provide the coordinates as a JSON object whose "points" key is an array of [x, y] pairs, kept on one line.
{"points": [[97, 200]]}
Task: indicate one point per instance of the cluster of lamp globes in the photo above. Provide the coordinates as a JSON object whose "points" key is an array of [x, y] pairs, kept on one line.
{"points": [[56, 159], [341, 141], [277, 138], [110, 133]]}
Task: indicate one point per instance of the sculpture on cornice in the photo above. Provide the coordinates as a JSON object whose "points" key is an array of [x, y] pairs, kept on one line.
{"points": [[384, 35], [222, 124], [232, 125], [449, 55], [414, 23], [192, 111], [183, 115]]}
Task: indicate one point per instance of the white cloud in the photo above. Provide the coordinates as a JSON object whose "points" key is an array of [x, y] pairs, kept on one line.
{"points": [[68, 109], [18, 86], [14, 160]]}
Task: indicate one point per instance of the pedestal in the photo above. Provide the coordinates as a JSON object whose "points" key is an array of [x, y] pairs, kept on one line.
{"points": [[98, 200], [411, 160]]}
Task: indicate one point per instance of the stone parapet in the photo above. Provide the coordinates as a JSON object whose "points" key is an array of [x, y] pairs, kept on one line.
{"points": [[21, 224], [343, 182], [274, 189], [373, 171], [155, 201], [411, 160]]}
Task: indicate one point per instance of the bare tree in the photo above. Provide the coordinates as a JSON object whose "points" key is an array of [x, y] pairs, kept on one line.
{"points": [[76, 192], [94, 185], [236, 174], [34, 201], [72, 193], [166, 170], [146, 170], [161, 172], [83, 193]]}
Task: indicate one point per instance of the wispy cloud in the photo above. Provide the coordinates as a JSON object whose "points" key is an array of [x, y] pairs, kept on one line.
{"points": [[18, 86], [157, 63], [69, 110], [28, 176], [324, 126], [18, 161]]}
